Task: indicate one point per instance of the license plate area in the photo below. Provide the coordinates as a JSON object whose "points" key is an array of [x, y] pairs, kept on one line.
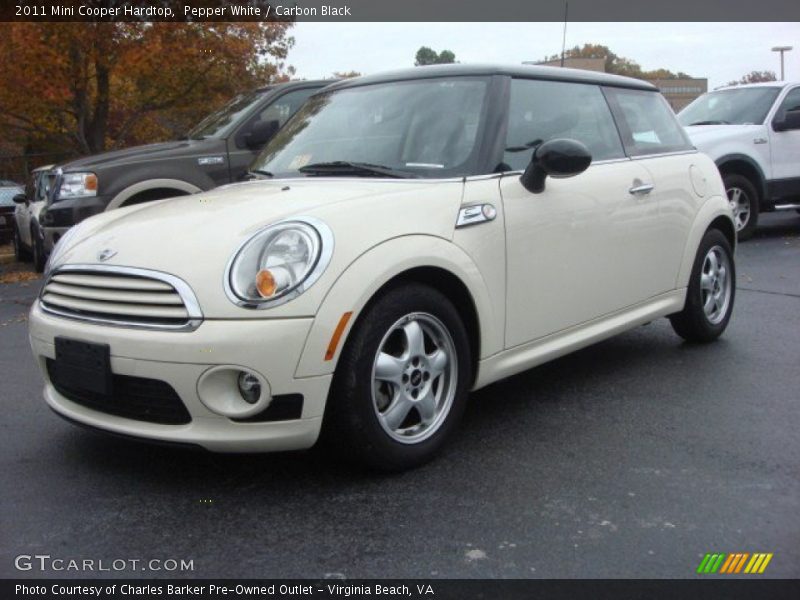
{"points": [[83, 365]]}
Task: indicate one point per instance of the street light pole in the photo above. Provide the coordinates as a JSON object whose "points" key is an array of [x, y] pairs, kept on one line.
{"points": [[781, 49]]}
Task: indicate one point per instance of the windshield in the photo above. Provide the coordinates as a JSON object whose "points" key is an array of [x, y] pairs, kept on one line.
{"points": [[219, 123], [745, 106], [422, 128]]}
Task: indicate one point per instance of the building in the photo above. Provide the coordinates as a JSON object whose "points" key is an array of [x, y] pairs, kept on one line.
{"points": [[678, 92]]}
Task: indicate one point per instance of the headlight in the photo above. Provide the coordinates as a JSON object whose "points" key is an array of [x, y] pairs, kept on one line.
{"points": [[279, 263], [77, 185]]}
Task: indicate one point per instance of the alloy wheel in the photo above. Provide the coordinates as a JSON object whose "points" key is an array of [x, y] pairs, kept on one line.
{"points": [[414, 378], [715, 284], [740, 205]]}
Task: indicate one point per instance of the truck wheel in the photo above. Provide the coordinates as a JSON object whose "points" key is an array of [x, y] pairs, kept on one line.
{"points": [[743, 199], [402, 380], [711, 291]]}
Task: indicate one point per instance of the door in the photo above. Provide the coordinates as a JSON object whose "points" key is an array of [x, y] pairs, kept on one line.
{"points": [[786, 144], [583, 247], [269, 117]]}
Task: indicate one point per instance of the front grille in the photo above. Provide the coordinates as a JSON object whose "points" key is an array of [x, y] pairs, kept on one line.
{"points": [[122, 296], [135, 398]]}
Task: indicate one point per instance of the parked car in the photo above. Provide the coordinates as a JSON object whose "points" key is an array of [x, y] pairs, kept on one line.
{"points": [[28, 234], [753, 134], [7, 193], [423, 233], [218, 150]]}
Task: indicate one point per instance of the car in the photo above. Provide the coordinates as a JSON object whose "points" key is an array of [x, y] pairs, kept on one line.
{"points": [[7, 193], [217, 150], [28, 235], [753, 134], [413, 236]]}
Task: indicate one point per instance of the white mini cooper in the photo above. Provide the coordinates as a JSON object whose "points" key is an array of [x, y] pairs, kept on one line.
{"points": [[411, 236]]}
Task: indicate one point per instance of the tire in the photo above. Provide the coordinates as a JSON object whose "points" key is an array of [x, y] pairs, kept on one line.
{"points": [[744, 201], [20, 253], [697, 322], [37, 252], [364, 416]]}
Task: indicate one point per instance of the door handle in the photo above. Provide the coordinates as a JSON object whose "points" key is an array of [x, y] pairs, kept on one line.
{"points": [[641, 188]]}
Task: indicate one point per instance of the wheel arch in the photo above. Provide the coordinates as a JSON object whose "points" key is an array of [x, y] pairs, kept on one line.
{"points": [[745, 166], [715, 213], [427, 259], [178, 186]]}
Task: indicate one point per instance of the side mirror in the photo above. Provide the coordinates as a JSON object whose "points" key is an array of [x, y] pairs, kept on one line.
{"points": [[790, 121], [20, 198], [261, 133], [557, 158]]}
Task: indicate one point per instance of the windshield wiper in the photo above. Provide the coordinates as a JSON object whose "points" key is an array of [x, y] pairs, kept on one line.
{"points": [[709, 123], [346, 167], [261, 172]]}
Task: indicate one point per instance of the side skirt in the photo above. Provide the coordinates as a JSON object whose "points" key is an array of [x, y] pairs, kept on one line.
{"points": [[523, 357]]}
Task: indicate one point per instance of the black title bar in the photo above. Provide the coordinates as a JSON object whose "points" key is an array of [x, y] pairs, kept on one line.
{"points": [[399, 10]]}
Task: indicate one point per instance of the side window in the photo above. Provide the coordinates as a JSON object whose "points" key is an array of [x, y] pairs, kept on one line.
{"points": [[544, 110], [790, 103], [647, 123], [280, 110], [285, 106]]}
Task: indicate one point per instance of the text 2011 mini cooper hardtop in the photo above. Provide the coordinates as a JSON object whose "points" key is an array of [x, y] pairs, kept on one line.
{"points": [[415, 235]]}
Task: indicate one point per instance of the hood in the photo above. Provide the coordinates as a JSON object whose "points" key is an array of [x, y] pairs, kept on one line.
{"points": [[194, 237], [704, 134], [139, 153]]}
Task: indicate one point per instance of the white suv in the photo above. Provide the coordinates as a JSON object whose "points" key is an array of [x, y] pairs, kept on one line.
{"points": [[753, 134], [415, 235]]}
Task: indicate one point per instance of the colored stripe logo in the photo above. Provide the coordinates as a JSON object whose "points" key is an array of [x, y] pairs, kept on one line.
{"points": [[737, 562]]}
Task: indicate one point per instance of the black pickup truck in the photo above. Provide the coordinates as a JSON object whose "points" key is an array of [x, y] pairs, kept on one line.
{"points": [[217, 151]]}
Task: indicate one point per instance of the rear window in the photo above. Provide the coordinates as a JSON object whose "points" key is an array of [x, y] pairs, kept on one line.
{"points": [[646, 122]]}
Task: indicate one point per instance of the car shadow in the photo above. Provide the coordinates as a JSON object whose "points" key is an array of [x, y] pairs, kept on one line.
{"points": [[510, 409]]}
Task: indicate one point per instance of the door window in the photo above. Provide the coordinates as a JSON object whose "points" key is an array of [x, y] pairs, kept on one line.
{"points": [[647, 123], [544, 110], [790, 103], [280, 110]]}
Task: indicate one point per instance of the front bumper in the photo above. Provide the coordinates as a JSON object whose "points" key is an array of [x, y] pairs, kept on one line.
{"points": [[270, 347]]}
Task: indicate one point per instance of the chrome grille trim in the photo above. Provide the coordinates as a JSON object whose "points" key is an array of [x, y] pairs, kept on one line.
{"points": [[131, 297]]}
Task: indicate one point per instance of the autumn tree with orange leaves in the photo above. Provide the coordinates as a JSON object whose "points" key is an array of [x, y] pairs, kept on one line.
{"points": [[85, 87]]}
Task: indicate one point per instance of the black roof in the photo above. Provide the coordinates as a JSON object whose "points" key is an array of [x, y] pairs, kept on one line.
{"points": [[529, 71]]}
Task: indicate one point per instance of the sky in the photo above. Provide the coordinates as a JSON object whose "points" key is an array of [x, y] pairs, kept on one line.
{"points": [[722, 52]]}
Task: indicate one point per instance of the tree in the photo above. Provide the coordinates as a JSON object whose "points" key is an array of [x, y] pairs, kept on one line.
{"points": [[755, 77], [89, 86], [618, 65], [427, 56], [346, 74]]}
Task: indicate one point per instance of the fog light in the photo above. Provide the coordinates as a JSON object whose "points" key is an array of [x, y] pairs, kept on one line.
{"points": [[249, 387], [234, 391]]}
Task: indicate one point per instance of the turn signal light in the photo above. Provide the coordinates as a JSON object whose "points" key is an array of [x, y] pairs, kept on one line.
{"points": [[265, 283]]}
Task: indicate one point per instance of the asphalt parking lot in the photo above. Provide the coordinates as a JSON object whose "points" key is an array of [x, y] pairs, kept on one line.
{"points": [[632, 458]]}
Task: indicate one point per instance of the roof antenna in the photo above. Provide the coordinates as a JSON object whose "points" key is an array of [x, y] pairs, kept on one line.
{"points": [[564, 38]]}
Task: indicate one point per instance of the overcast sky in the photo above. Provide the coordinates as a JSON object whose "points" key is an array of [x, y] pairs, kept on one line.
{"points": [[719, 51]]}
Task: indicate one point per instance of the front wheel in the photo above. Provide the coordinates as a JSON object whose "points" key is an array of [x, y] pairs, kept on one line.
{"points": [[743, 199], [402, 380], [711, 291]]}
